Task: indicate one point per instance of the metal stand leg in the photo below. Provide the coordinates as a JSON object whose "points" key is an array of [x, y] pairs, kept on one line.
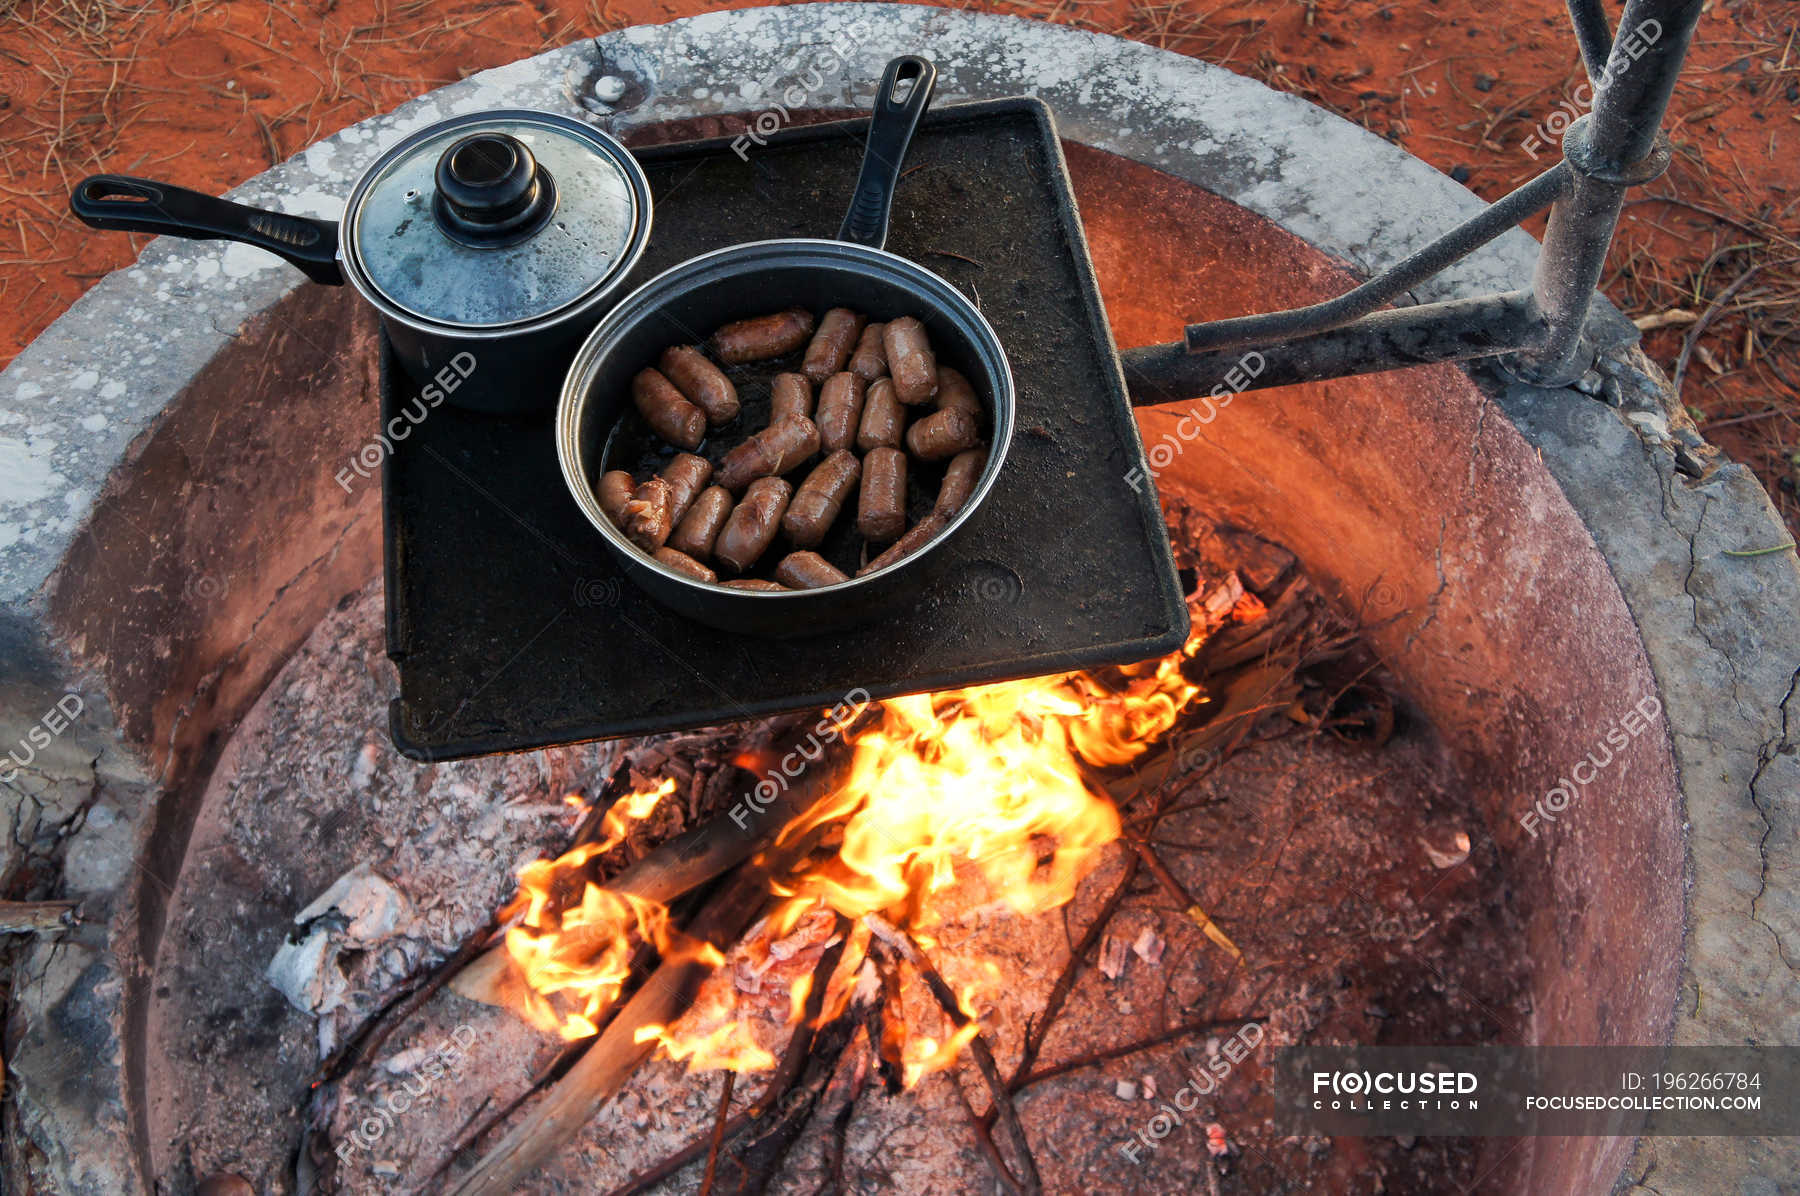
{"points": [[1614, 148], [1538, 334]]}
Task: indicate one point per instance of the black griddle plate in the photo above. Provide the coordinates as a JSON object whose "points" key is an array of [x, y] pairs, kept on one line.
{"points": [[512, 627]]}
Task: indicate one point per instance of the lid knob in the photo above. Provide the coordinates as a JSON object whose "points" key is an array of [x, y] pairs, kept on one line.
{"points": [[491, 192]]}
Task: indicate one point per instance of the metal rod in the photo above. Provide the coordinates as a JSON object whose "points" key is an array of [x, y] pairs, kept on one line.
{"points": [[1617, 146], [1593, 33], [1456, 330], [1498, 217], [1633, 92], [1612, 149]]}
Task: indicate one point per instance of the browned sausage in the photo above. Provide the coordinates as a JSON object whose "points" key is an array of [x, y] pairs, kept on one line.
{"points": [[646, 518], [910, 360], [781, 446], [831, 344], [883, 417], [615, 490], [757, 583], [687, 476], [808, 571], [840, 410], [881, 507], [747, 533], [959, 481], [790, 394], [681, 562], [763, 337], [869, 362], [698, 529], [920, 534], [669, 415], [942, 434], [704, 384], [954, 390], [820, 497]]}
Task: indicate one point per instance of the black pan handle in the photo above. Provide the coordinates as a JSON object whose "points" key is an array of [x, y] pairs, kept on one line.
{"points": [[891, 127], [117, 201]]}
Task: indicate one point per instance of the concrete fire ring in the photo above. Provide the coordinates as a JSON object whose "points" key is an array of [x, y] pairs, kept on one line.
{"points": [[94, 576]]}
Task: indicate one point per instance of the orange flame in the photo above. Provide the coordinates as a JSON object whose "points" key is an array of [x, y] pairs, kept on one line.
{"points": [[575, 961], [988, 779], [729, 1046], [992, 777]]}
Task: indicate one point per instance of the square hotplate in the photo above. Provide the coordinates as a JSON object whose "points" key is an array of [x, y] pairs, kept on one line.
{"points": [[513, 628]]}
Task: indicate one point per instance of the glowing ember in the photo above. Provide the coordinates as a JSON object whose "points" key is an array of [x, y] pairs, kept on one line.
{"points": [[989, 780]]}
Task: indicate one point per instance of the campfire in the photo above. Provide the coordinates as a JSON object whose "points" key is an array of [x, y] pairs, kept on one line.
{"points": [[1020, 935], [852, 907], [992, 780], [855, 836]]}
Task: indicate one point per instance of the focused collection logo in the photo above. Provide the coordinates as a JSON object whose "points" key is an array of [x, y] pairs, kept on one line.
{"points": [[1368, 1091]]}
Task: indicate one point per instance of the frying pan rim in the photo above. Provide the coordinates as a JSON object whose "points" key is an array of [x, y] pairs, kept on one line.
{"points": [[578, 386]]}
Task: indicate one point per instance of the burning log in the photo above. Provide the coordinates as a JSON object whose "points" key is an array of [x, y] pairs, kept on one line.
{"points": [[675, 867], [672, 869], [901, 819], [618, 1052]]}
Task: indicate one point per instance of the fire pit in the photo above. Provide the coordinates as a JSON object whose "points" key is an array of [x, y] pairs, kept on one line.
{"points": [[1337, 891], [1527, 565]]}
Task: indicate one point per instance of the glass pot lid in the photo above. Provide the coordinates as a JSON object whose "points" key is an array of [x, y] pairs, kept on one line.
{"points": [[496, 220]]}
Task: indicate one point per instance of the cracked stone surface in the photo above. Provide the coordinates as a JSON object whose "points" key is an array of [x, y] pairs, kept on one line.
{"points": [[206, 613], [1721, 634]]}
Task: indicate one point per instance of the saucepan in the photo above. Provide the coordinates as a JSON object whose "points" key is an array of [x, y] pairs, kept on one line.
{"points": [[686, 302], [489, 243]]}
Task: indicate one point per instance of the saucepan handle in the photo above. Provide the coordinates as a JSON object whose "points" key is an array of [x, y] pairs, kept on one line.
{"points": [[117, 201], [905, 93]]}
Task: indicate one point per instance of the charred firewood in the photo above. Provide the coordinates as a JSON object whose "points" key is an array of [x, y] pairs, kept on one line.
{"points": [[903, 942], [751, 1165], [616, 1054]]}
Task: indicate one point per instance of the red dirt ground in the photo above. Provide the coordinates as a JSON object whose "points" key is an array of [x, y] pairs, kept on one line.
{"points": [[209, 93]]}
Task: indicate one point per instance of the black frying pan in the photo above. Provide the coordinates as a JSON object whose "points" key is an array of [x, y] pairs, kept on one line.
{"points": [[686, 301]]}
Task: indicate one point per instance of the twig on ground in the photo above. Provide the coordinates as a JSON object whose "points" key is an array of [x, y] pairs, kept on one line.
{"points": [[909, 950], [1692, 339], [1094, 1058], [690, 1153], [1183, 899], [984, 1141], [718, 1134], [1039, 1028], [833, 1184]]}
